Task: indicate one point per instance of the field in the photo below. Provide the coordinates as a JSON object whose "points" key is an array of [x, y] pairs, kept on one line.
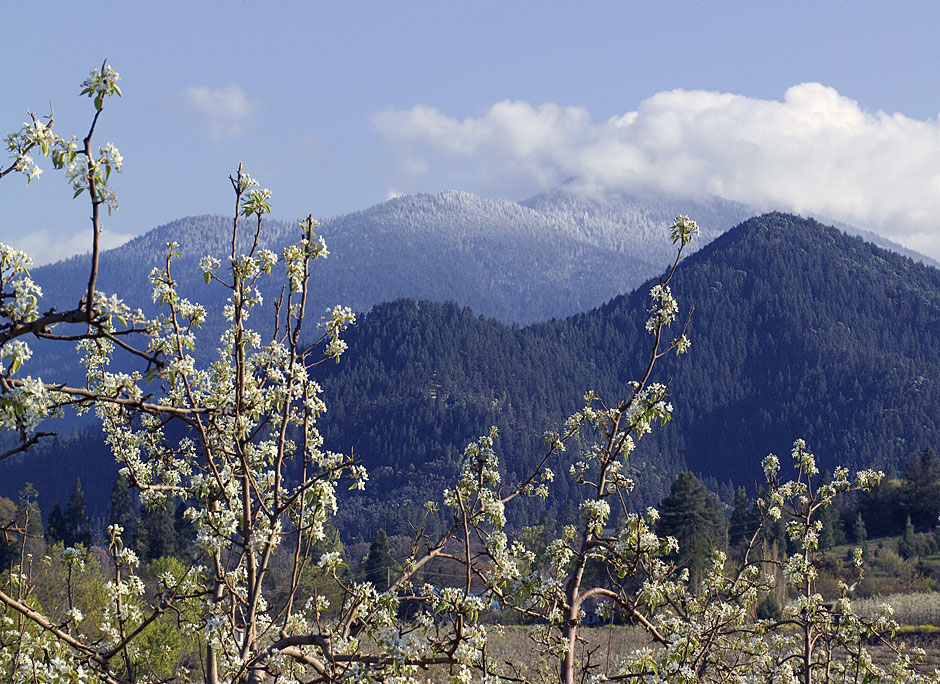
{"points": [[514, 650], [605, 646]]}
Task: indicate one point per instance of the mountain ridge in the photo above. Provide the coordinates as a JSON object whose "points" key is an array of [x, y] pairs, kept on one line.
{"points": [[501, 258], [799, 331], [518, 261]]}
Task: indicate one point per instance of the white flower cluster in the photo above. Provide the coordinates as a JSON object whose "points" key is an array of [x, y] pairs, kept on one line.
{"points": [[20, 300], [33, 134], [805, 461], [664, 309], [257, 202], [24, 407], [597, 512], [73, 558], [334, 323], [81, 171], [297, 257], [683, 229], [101, 83], [15, 353], [647, 407]]}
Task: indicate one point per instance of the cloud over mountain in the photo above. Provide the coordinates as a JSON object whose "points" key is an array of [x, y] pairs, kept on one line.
{"points": [[816, 151], [46, 247]]}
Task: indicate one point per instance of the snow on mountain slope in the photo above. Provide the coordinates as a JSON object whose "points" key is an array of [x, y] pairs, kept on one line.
{"points": [[546, 257]]}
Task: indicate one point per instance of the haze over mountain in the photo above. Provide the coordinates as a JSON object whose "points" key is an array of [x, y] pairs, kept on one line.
{"points": [[799, 331]]}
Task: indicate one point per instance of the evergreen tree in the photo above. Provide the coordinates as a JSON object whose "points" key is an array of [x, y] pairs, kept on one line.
{"points": [[691, 515], [907, 547], [156, 535], [329, 542], [833, 532], [715, 522], [881, 509], [57, 528], [920, 490], [860, 534], [122, 507], [29, 518], [744, 518], [8, 547], [379, 562], [184, 533], [78, 524]]}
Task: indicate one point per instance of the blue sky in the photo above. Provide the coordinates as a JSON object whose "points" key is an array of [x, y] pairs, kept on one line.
{"points": [[820, 107]]}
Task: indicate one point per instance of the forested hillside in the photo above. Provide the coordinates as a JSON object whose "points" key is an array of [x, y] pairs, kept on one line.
{"points": [[798, 331], [549, 257], [803, 331]]}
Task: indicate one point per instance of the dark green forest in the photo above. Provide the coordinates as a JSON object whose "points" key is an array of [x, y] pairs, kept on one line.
{"points": [[798, 330]]}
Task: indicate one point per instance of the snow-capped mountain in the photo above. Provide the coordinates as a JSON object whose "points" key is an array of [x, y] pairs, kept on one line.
{"points": [[547, 257]]}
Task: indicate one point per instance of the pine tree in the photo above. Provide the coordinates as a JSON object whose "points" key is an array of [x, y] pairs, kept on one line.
{"points": [[379, 561], [29, 518], [692, 515], [716, 525], [8, 546], [57, 529], [122, 507], [920, 490], [78, 524], [156, 536], [744, 519], [881, 509], [907, 547], [833, 532], [184, 532], [859, 533]]}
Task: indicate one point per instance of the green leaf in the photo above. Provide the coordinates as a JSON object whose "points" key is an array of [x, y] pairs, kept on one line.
{"points": [[207, 276]]}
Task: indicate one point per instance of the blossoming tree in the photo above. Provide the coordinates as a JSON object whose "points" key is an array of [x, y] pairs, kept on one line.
{"points": [[236, 443]]}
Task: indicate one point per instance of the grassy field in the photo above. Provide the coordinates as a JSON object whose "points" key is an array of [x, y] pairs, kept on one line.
{"points": [[514, 652], [604, 646]]}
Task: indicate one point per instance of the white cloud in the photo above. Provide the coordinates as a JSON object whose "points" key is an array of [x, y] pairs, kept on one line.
{"points": [[227, 110], [815, 152], [46, 247]]}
